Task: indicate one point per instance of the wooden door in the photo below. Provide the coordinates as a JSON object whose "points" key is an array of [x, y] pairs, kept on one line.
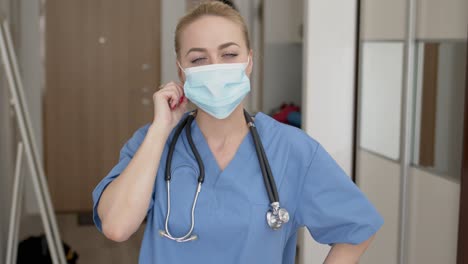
{"points": [[102, 66]]}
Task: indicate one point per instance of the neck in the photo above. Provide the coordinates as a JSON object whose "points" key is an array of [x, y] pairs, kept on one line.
{"points": [[219, 130]]}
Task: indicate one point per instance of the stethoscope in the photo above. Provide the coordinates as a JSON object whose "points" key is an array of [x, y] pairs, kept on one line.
{"points": [[276, 216]]}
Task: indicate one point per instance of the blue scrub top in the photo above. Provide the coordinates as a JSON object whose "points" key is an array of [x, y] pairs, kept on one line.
{"points": [[230, 216]]}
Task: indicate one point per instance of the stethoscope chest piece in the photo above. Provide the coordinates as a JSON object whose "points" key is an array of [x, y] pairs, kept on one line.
{"points": [[277, 216]]}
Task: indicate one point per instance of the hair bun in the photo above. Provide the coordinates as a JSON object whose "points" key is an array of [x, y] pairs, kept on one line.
{"points": [[229, 3]]}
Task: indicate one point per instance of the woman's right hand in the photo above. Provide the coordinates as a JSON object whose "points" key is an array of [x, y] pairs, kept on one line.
{"points": [[169, 105]]}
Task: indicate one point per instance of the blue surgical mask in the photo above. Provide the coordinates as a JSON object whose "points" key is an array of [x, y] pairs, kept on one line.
{"points": [[217, 88]]}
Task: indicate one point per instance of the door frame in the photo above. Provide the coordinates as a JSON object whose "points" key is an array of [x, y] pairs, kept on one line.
{"points": [[462, 251]]}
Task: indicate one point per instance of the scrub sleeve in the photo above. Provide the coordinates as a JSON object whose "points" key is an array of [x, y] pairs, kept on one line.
{"points": [[126, 154], [332, 207]]}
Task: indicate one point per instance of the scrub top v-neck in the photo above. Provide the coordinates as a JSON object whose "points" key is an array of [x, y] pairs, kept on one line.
{"points": [[230, 219]]}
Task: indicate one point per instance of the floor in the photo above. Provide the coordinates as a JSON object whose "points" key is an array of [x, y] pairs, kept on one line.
{"points": [[91, 246]]}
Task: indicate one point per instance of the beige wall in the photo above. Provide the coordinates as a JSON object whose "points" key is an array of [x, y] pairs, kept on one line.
{"points": [[433, 212], [433, 218], [447, 19], [436, 19], [383, 19], [379, 179]]}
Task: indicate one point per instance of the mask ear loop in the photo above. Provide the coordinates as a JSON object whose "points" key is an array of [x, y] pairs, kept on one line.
{"points": [[180, 66]]}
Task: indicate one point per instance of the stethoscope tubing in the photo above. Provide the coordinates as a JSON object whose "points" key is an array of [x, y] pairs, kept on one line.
{"points": [[263, 161], [274, 217]]}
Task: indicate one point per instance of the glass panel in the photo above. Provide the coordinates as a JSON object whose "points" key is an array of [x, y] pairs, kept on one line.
{"points": [[433, 189], [381, 81], [439, 105]]}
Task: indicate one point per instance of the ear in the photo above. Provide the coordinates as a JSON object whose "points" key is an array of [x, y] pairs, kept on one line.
{"points": [[180, 73], [249, 68]]}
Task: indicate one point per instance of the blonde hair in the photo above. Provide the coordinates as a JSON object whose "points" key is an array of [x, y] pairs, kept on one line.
{"points": [[211, 8]]}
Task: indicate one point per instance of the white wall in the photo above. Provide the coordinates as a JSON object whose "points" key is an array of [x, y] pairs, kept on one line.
{"points": [[283, 53], [24, 21], [329, 67], [171, 11], [24, 18], [31, 66], [6, 151], [282, 20]]}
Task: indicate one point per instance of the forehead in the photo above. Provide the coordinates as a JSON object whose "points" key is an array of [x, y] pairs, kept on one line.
{"points": [[210, 32]]}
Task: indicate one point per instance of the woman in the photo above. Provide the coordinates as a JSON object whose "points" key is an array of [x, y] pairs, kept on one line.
{"points": [[230, 225]]}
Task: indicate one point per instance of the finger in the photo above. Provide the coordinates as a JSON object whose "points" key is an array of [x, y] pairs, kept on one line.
{"points": [[179, 97], [182, 107], [166, 93], [184, 102], [173, 86], [180, 86], [169, 96]]}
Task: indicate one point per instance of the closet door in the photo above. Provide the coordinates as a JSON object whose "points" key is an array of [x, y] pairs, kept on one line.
{"points": [[412, 85], [380, 89], [102, 66]]}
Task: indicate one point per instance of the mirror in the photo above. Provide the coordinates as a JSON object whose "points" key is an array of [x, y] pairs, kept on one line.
{"points": [[439, 105]]}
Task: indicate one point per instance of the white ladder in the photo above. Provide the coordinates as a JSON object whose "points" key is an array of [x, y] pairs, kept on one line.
{"points": [[27, 142]]}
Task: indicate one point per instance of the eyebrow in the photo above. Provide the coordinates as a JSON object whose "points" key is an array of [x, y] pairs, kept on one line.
{"points": [[220, 47]]}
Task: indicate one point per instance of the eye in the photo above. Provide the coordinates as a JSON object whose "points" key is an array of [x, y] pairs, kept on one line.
{"points": [[198, 60], [230, 55]]}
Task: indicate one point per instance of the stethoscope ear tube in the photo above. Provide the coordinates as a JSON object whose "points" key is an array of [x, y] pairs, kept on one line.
{"points": [[276, 216], [187, 122], [188, 131], [167, 172], [263, 161]]}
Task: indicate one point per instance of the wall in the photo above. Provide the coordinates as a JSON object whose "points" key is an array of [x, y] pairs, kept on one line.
{"points": [[24, 19], [433, 212], [24, 26], [6, 147], [28, 52], [171, 11], [282, 60], [329, 68], [437, 19], [379, 179], [383, 19], [433, 218]]}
